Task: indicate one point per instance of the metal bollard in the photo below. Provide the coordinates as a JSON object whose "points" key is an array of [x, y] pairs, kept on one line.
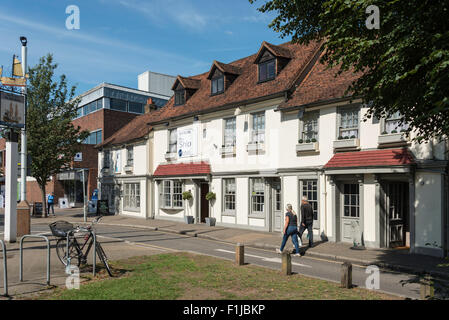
{"points": [[286, 264], [427, 290], [5, 270], [346, 275], [95, 252], [21, 256], [240, 254]]}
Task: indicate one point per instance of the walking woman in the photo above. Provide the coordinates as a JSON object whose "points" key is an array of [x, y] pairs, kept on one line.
{"points": [[290, 229]]}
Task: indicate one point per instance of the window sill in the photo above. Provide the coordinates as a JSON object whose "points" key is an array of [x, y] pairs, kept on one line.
{"points": [[344, 144], [392, 139], [228, 213], [258, 215], [228, 151], [170, 156], [128, 169], [251, 147], [216, 93], [307, 147], [131, 209]]}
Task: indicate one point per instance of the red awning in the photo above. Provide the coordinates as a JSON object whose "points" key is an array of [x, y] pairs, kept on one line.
{"points": [[183, 169], [372, 158]]}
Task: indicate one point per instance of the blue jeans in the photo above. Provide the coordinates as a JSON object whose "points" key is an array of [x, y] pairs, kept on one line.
{"points": [[51, 205], [291, 231]]}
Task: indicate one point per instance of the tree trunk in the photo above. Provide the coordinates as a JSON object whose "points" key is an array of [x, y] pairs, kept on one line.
{"points": [[44, 202]]}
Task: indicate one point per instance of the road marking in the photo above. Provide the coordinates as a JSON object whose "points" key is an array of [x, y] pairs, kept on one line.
{"points": [[139, 244], [279, 260]]}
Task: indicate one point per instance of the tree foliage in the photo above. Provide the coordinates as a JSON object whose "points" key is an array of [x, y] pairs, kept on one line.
{"points": [[52, 139], [404, 65]]}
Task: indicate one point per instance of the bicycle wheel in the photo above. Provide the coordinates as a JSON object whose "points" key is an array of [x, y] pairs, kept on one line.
{"points": [[103, 258], [61, 251]]}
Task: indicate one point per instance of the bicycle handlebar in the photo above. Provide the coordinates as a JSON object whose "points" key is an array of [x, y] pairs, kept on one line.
{"points": [[88, 228]]}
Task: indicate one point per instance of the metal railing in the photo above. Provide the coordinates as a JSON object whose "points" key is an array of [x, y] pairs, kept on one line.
{"points": [[5, 270], [21, 255]]}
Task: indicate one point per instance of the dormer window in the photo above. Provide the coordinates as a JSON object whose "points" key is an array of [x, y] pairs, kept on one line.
{"points": [[179, 97], [217, 83], [267, 70], [267, 67], [271, 60]]}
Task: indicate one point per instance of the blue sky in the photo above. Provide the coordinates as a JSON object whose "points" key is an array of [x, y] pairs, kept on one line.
{"points": [[119, 39]]}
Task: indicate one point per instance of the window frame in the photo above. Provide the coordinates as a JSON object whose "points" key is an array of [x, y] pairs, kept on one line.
{"points": [[170, 143], [234, 135], [130, 161], [131, 196], [350, 205], [225, 193], [253, 213], [305, 191], [309, 116], [215, 80], [348, 109], [171, 194], [265, 64], [391, 118], [257, 132], [180, 93], [106, 156]]}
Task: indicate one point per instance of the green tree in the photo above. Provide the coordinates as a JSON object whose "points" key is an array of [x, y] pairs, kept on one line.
{"points": [[404, 65], [52, 141]]}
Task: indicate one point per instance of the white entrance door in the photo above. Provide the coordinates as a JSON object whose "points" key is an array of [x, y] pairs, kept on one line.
{"points": [[350, 213]]}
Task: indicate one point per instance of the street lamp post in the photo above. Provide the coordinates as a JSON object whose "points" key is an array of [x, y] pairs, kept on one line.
{"points": [[23, 149]]}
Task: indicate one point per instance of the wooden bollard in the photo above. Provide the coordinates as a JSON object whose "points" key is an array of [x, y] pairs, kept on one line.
{"points": [[427, 289], [346, 275], [240, 254], [286, 264]]}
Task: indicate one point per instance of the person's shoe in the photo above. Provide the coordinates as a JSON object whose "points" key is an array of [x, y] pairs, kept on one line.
{"points": [[297, 255], [278, 251]]}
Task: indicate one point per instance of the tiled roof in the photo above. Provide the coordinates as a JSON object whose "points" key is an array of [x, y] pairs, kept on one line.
{"points": [[386, 157], [183, 169], [245, 87], [277, 51], [320, 84]]}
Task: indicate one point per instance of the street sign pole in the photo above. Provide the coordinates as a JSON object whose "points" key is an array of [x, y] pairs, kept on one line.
{"points": [[23, 149]]}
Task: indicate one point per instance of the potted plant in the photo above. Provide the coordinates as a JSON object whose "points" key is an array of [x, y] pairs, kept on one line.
{"points": [[300, 141], [353, 137], [308, 141], [340, 137], [210, 196], [347, 137], [187, 195], [313, 140], [385, 132], [403, 130], [394, 131]]}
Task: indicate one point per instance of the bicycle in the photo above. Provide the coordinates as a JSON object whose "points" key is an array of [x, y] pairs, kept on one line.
{"points": [[77, 254]]}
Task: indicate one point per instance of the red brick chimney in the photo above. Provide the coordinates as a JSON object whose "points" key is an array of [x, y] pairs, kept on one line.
{"points": [[150, 106]]}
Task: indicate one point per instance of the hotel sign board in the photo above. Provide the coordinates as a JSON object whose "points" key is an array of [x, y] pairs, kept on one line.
{"points": [[187, 142], [12, 110]]}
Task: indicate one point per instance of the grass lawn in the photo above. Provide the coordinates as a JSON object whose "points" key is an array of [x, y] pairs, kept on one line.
{"points": [[190, 276]]}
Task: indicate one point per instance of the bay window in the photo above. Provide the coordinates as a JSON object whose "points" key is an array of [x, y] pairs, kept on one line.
{"points": [[132, 196]]}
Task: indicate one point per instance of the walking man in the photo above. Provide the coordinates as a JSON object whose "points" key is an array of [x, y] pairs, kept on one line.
{"points": [[306, 220], [51, 203]]}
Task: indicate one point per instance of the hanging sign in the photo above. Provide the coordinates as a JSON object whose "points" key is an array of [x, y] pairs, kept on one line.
{"points": [[12, 110]]}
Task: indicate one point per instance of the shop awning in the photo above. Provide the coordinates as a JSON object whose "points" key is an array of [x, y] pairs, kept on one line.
{"points": [[183, 169], [371, 158]]}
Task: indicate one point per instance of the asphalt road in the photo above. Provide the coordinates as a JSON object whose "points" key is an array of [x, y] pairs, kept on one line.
{"points": [[389, 282]]}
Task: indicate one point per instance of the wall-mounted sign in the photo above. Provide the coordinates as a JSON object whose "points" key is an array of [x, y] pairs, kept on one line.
{"points": [[78, 156], [187, 142], [12, 110]]}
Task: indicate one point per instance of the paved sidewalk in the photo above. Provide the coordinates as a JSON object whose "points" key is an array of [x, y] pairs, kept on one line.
{"points": [[392, 259]]}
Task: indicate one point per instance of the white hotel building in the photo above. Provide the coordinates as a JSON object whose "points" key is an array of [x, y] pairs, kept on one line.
{"points": [[265, 130]]}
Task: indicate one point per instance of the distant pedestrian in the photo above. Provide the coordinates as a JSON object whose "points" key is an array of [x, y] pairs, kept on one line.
{"points": [[306, 220], [51, 203], [290, 229]]}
